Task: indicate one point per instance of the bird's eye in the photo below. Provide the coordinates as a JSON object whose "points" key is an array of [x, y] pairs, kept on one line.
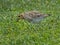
{"points": [[18, 16]]}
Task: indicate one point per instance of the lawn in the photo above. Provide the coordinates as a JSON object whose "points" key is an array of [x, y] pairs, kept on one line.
{"points": [[47, 32]]}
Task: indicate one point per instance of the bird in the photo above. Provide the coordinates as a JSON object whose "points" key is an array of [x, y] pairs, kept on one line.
{"points": [[32, 16]]}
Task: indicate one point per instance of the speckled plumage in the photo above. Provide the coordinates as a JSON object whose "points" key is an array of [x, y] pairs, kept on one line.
{"points": [[33, 16]]}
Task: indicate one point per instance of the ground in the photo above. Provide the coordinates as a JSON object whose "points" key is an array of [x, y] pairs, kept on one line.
{"points": [[47, 32]]}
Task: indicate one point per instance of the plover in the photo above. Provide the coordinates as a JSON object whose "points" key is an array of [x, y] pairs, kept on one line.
{"points": [[32, 16]]}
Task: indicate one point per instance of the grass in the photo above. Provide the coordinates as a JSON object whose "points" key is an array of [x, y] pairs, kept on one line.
{"points": [[47, 32]]}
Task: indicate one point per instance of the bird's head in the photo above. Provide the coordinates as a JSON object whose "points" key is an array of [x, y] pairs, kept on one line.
{"points": [[20, 17]]}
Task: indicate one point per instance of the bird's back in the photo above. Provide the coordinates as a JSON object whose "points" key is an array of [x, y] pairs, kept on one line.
{"points": [[34, 16]]}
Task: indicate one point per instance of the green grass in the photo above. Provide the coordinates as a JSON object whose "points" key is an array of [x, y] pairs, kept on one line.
{"points": [[47, 32]]}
